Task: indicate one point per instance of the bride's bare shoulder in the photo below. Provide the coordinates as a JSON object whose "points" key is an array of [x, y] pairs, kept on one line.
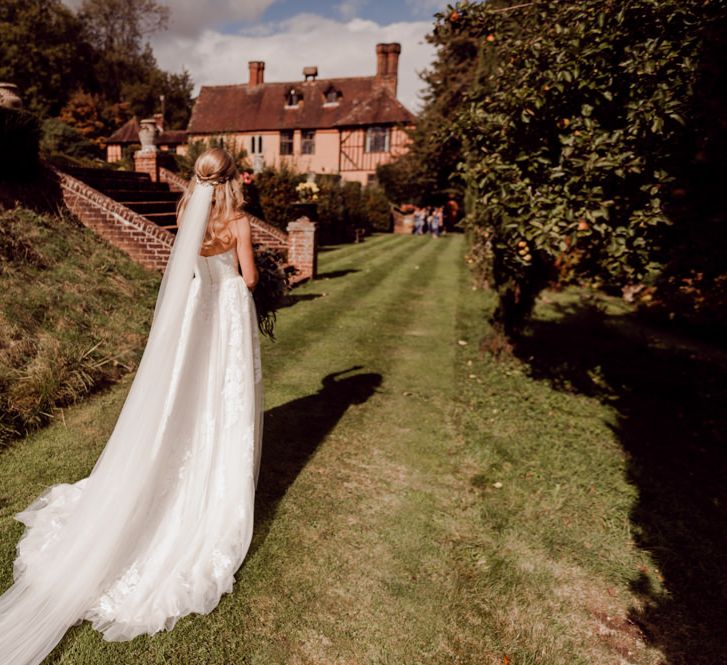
{"points": [[240, 225]]}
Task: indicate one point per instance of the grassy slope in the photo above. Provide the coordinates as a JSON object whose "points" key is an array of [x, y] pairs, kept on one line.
{"points": [[429, 505], [74, 312]]}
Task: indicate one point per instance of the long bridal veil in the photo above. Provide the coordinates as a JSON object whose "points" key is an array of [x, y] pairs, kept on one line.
{"points": [[56, 581]]}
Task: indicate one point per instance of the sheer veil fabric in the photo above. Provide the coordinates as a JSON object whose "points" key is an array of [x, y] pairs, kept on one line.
{"points": [[163, 521]]}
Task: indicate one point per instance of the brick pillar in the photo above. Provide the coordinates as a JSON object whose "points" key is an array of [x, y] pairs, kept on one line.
{"points": [[147, 162], [302, 248]]}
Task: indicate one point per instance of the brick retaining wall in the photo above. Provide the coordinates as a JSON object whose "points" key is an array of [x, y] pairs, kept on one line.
{"points": [[174, 180], [302, 251], [150, 245], [299, 250], [133, 234]]}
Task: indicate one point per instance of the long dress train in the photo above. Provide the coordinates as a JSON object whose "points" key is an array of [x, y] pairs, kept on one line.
{"points": [[166, 538]]}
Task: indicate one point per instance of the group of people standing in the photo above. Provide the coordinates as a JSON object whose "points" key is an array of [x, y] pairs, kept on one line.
{"points": [[429, 220]]}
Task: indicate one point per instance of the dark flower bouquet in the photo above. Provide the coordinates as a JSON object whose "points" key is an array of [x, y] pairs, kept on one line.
{"points": [[272, 287]]}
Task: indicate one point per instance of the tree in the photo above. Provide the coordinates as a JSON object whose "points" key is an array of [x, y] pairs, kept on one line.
{"points": [[59, 138], [58, 58], [575, 133], [125, 67], [82, 112], [40, 51], [118, 27], [427, 174], [142, 92]]}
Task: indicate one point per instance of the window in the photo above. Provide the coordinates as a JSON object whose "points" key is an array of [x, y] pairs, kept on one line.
{"points": [[293, 98], [286, 142], [308, 141], [256, 145], [377, 139], [331, 96]]}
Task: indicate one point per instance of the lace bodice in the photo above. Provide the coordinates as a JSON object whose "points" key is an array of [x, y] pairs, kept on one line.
{"points": [[215, 269]]}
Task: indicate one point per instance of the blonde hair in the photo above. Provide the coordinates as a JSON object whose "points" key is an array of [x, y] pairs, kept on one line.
{"points": [[216, 166]]}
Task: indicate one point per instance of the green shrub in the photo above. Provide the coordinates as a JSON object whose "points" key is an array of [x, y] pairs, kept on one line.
{"points": [[19, 143], [333, 224], [377, 208], [581, 121], [59, 138], [345, 206], [341, 206], [277, 194]]}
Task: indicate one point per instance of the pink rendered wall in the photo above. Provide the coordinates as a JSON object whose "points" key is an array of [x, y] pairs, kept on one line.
{"points": [[326, 156], [324, 160]]}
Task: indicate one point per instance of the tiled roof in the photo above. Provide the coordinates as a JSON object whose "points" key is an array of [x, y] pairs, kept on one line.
{"points": [[378, 108], [362, 101], [129, 133], [172, 137]]}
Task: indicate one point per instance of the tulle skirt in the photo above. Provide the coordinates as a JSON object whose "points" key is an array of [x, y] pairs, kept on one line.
{"points": [[176, 542]]}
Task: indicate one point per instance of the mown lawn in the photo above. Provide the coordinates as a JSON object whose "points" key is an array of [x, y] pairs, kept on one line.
{"points": [[420, 501]]}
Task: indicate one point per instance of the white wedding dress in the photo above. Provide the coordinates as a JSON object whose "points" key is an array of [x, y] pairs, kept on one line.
{"points": [[162, 523]]}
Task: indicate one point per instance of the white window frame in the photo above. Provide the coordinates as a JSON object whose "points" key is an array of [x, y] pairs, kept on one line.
{"points": [[291, 133], [311, 142], [256, 145], [369, 142]]}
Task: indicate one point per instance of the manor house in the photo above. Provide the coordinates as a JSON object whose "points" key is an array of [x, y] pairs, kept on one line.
{"points": [[339, 125]]}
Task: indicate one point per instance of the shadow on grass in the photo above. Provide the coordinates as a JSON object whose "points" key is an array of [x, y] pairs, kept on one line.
{"points": [[670, 400], [293, 299], [332, 274], [293, 432]]}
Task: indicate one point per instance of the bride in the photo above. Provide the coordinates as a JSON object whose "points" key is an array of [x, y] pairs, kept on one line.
{"points": [[164, 520]]}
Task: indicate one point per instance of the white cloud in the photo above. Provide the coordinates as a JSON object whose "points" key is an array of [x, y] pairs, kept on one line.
{"points": [[349, 9], [191, 17], [338, 48]]}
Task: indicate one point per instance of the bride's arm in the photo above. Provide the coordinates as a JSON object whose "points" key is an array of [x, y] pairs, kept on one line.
{"points": [[243, 235]]}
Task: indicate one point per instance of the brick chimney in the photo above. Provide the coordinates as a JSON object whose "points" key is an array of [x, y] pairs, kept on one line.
{"points": [[257, 72], [387, 65]]}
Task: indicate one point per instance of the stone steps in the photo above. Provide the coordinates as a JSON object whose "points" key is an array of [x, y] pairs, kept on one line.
{"points": [[144, 207], [153, 200], [102, 196]]}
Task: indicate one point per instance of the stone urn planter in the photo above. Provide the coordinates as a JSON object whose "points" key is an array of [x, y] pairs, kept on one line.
{"points": [[147, 135], [9, 97]]}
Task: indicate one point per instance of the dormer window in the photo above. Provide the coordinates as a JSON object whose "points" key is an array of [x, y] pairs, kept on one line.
{"points": [[331, 95], [293, 98]]}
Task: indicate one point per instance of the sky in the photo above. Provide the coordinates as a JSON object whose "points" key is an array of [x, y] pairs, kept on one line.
{"points": [[215, 39]]}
